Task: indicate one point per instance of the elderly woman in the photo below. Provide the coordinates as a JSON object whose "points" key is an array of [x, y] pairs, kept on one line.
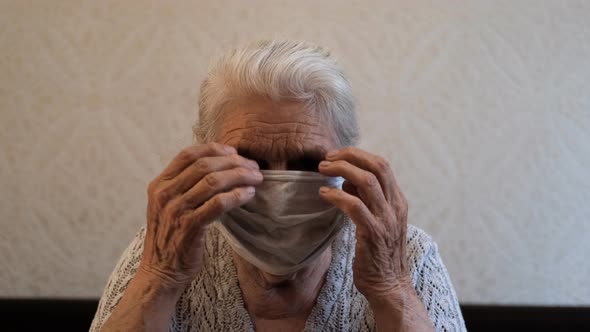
{"points": [[275, 221]]}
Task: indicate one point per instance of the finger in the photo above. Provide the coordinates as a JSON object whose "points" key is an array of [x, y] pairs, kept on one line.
{"points": [[353, 207], [218, 205], [372, 163], [191, 154], [218, 182], [366, 183], [199, 169]]}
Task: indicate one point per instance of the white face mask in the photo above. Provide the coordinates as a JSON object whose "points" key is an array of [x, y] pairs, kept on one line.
{"points": [[287, 224]]}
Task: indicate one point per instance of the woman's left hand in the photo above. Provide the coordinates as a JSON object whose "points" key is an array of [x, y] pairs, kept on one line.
{"points": [[371, 197]]}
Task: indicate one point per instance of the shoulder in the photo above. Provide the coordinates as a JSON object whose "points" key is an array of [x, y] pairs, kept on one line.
{"points": [[418, 242], [119, 279], [432, 282], [131, 257], [420, 247]]}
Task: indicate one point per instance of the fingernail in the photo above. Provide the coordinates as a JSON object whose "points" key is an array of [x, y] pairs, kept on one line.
{"points": [[324, 163], [257, 174], [229, 149], [250, 190], [324, 190], [331, 154]]}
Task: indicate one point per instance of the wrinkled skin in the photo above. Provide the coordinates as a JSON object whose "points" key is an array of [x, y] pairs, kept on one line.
{"points": [[372, 199], [204, 181], [201, 183]]}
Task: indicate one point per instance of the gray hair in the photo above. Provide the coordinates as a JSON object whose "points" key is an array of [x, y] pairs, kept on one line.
{"points": [[280, 70]]}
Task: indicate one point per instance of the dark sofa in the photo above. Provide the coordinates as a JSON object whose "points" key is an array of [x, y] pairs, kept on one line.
{"points": [[76, 315]]}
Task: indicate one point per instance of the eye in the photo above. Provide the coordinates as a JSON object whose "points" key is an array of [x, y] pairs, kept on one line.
{"points": [[262, 164], [304, 164]]}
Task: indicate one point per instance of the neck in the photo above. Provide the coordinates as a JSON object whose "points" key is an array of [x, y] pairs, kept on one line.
{"points": [[291, 297]]}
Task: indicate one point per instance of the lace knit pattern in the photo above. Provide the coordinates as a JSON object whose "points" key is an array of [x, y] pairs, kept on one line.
{"points": [[213, 302]]}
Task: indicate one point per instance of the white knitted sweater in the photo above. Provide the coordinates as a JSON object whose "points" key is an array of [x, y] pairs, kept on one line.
{"points": [[213, 302]]}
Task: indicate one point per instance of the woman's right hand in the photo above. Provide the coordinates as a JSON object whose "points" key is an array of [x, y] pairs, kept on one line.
{"points": [[201, 183]]}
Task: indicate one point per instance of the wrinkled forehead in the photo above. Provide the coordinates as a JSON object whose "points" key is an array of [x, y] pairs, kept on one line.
{"points": [[275, 131]]}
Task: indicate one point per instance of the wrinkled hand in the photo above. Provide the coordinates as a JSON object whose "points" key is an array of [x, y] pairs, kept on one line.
{"points": [[371, 198], [201, 183]]}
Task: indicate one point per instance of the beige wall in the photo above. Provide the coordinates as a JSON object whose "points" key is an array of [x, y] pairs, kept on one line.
{"points": [[483, 108]]}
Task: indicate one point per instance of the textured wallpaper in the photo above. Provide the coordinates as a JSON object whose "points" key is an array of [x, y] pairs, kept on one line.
{"points": [[482, 107]]}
